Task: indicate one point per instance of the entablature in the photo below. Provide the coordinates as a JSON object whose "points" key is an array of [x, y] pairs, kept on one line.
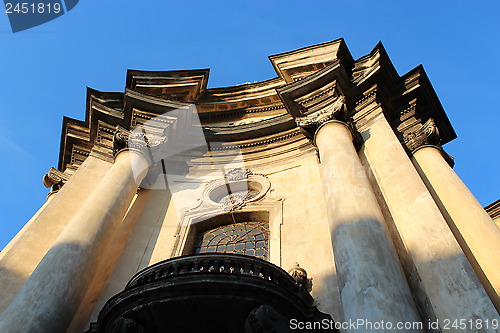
{"points": [[312, 82]]}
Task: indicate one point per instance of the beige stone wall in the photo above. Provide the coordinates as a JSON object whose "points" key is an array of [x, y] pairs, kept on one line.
{"points": [[305, 236], [298, 225]]}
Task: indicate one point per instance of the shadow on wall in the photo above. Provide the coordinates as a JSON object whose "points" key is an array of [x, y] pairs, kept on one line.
{"points": [[136, 243], [486, 321]]}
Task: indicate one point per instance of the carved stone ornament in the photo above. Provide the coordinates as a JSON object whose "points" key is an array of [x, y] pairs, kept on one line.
{"points": [[311, 122], [237, 200], [427, 134], [237, 174], [299, 274], [124, 139], [55, 177], [235, 189]]}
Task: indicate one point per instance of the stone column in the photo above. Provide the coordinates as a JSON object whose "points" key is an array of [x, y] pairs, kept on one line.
{"points": [[474, 230], [372, 285], [48, 300], [22, 255], [443, 282]]}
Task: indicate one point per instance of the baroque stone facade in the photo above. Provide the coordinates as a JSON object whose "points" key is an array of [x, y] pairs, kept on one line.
{"points": [[174, 204]]}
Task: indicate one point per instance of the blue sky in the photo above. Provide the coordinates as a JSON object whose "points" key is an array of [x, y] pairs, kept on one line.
{"points": [[44, 71]]}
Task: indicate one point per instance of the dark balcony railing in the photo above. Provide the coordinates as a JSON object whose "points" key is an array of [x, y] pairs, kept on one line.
{"points": [[215, 263], [211, 292]]}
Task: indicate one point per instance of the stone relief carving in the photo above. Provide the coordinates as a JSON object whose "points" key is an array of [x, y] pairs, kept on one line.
{"points": [[235, 189], [237, 200], [238, 174]]}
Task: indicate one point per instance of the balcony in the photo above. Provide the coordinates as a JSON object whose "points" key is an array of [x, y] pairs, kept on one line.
{"points": [[212, 292]]}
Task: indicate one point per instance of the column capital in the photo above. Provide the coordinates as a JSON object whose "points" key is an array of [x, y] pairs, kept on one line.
{"points": [[312, 121], [426, 134], [124, 139], [55, 178]]}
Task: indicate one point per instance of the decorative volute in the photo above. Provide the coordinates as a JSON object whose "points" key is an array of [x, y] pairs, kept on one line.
{"points": [[55, 178]]}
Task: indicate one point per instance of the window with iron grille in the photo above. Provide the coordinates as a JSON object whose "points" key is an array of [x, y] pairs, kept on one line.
{"points": [[248, 238]]}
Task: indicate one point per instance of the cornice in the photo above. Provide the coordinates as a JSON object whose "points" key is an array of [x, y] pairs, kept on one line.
{"points": [[181, 85], [207, 117], [294, 65], [313, 92], [248, 131], [263, 142], [493, 209], [311, 82]]}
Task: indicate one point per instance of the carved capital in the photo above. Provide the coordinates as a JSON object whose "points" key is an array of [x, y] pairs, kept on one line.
{"points": [[124, 139], [55, 178], [311, 122], [426, 134]]}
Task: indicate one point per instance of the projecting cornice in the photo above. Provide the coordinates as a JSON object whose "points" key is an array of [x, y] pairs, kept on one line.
{"points": [[183, 85], [295, 65], [315, 92], [312, 82]]}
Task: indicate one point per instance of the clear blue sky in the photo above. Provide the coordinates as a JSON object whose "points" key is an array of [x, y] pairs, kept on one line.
{"points": [[44, 71]]}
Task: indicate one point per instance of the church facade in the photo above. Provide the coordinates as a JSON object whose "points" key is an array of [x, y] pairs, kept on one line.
{"points": [[320, 197]]}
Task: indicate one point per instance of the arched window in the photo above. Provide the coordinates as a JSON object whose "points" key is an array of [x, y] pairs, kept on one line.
{"points": [[250, 238]]}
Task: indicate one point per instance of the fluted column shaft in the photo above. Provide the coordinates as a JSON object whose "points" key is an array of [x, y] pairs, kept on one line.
{"points": [[474, 230], [50, 297], [372, 285]]}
